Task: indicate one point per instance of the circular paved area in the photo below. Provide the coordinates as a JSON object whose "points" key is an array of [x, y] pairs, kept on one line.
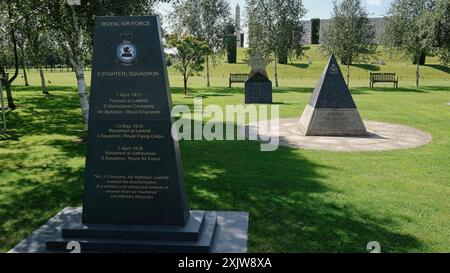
{"points": [[382, 137]]}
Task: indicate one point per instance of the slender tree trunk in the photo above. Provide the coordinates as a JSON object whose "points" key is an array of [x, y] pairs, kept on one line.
{"points": [[9, 81], [82, 93], [276, 71], [348, 74], [7, 84], [43, 84], [25, 76], [2, 105], [75, 51], [24, 67], [185, 84], [9, 97], [208, 83], [418, 71]]}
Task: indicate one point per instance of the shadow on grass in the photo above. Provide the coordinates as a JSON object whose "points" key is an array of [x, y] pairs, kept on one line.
{"points": [[36, 187], [208, 92], [41, 162], [227, 92], [293, 90], [439, 67], [369, 67], [8, 136], [37, 89], [43, 115], [283, 191], [424, 89], [301, 66]]}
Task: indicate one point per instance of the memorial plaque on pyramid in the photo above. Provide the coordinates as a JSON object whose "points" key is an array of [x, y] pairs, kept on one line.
{"points": [[331, 110]]}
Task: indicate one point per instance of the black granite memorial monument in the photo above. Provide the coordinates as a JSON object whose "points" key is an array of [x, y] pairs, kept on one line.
{"points": [[331, 110], [258, 87], [135, 198]]}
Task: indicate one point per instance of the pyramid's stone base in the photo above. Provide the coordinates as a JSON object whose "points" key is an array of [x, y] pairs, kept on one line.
{"points": [[381, 137], [331, 122]]}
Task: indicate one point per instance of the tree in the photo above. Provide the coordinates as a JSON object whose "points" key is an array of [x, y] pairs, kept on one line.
{"points": [[315, 31], [18, 17], [230, 43], [23, 60], [73, 38], [38, 38], [409, 29], [206, 20], [10, 24], [442, 21], [190, 55], [350, 35], [72, 27], [22, 45], [276, 29]]}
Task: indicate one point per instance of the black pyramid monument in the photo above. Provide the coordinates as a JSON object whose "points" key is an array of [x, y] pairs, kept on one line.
{"points": [[331, 110]]}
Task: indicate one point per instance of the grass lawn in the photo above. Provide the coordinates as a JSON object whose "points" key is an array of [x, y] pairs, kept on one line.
{"points": [[298, 73], [299, 201]]}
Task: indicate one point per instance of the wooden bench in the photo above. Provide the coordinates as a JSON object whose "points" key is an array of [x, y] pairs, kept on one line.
{"points": [[238, 78], [383, 77]]}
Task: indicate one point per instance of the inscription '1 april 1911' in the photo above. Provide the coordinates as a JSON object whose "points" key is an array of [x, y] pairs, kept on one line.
{"points": [[128, 103]]}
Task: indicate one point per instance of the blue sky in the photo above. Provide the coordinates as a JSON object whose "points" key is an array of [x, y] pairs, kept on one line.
{"points": [[322, 8]]}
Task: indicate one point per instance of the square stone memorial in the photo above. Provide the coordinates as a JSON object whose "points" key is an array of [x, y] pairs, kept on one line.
{"points": [[258, 87]]}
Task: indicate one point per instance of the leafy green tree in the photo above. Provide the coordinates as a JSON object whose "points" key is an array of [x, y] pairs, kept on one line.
{"points": [[9, 28], [349, 35], [23, 55], [38, 39], [230, 43], [72, 27], [409, 29], [23, 60], [276, 29], [206, 20], [190, 55], [315, 31], [442, 22]]}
